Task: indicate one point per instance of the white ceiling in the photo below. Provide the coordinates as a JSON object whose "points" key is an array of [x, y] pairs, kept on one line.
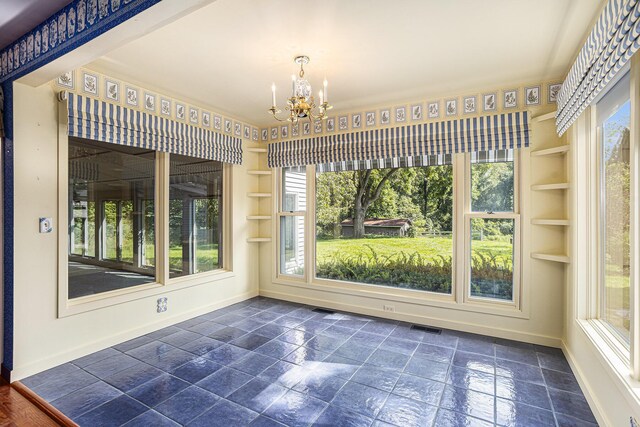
{"points": [[19, 16], [227, 54]]}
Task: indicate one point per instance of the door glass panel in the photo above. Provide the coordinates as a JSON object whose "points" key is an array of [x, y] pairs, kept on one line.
{"points": [[126, 234], [149, 235], [110, 243]]}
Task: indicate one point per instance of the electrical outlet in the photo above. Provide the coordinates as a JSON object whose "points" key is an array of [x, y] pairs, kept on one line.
{"points": [[389, 308], [162, 305]]}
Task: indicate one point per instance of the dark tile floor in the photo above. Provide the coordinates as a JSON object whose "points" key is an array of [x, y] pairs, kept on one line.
{"points": [[265, 362]]}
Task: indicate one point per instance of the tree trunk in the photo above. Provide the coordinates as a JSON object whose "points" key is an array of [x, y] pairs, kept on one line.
{"points": [[358, 220], [365, 196]]}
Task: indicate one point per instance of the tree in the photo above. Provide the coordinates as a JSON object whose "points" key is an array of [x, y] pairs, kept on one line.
{"points": [[368, 190], [335, 193]]}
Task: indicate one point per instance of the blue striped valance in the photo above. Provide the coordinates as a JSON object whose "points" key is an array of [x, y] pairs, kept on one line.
{"points": [[416, 141], [98, 120], [611, 43]]}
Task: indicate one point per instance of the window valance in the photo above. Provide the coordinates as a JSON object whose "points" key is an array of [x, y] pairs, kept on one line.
{"points": [[611, 43], [415, 144], [99, 120]]}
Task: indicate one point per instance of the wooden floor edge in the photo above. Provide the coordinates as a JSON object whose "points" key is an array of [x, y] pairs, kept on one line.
{"points": [[43, 405]]}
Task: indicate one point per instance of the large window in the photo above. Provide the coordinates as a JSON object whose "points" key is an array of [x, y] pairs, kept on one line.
{"points": [[112, 217], [613, 116], [451, 223], [493, 225], [195, 216], [390, 227], [111, 221]]}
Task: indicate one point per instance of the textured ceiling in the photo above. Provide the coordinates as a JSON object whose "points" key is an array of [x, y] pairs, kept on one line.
{"points": [[228, 53]]}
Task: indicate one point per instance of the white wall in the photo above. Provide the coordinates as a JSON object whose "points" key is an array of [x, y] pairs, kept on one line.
{"points": [[41, 339]]}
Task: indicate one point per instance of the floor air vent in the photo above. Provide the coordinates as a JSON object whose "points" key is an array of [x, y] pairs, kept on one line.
{"points": [[426, 329], [323, 311]]}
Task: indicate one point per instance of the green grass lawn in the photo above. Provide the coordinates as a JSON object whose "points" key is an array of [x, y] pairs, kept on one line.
{"points": [[430, 249], [207, 256]]}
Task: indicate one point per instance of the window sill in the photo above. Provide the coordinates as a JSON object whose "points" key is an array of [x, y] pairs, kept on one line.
{"points": [[121, 296], [408, 296]]}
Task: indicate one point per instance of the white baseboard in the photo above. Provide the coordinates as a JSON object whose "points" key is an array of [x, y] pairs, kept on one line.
{"points": [[589, 394], [72, 354], [425, 320]]}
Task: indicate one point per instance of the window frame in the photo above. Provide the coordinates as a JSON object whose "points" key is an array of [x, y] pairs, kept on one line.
{"points": [[519, 308], [594, 296], [162, 283], [281, 213], [517, 238]]}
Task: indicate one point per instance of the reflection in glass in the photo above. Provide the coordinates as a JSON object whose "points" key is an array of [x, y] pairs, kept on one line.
{"points": [[111, 239], [294, 189], [292, 245], [195, 215], [613, 117]]}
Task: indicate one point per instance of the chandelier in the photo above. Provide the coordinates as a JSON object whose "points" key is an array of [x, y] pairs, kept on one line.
{"points": [[301, 104]]}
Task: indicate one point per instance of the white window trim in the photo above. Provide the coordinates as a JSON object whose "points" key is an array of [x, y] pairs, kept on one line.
{"points": [[517, 240], [519, 308], [163, 284], [592, 308], [623, 361], [278, 214], [468, 298]]}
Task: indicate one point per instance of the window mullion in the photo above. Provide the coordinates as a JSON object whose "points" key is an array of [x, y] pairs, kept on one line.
{"points": [[161, 225], [461, 202]]}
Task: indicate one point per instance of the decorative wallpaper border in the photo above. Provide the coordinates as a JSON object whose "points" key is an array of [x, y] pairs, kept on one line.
{"points": [[85, 81], [419, 112], [58, 33]]}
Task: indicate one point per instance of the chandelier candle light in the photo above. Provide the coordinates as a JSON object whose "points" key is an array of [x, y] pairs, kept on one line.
{"points": [[301, 104]]}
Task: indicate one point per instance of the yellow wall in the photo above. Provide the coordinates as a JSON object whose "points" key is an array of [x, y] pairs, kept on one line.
{"points": [[41, 339]]}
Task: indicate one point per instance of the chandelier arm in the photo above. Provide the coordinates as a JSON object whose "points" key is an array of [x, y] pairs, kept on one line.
{"points": [[274, 113]]}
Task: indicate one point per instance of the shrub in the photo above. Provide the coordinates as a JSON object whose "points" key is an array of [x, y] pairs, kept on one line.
{"points": [[492, 274]]}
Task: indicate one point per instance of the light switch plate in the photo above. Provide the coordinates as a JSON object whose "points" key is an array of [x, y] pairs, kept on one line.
{"points": [[46, 225]]}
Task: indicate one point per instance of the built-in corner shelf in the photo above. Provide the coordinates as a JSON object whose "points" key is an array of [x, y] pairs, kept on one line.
{"points": [[551, 257], [256, 150], [259, 172], [258, 217], [541, 221], [543, 117], [555, 186], [258, 239], [259, 195], [555, 151]]}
